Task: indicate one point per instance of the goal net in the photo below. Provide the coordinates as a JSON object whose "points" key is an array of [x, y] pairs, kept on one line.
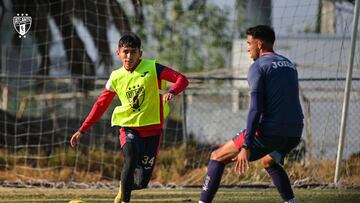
{"points": [[53, 71]]}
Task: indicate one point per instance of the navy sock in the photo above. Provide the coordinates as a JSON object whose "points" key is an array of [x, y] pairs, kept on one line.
{"points": [[281, 181], [212, 181]]}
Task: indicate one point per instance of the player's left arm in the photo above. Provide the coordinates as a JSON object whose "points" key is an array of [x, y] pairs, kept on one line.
{"points": [[179, 80]]}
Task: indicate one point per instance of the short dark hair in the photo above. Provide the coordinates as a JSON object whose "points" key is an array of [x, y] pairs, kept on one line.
{"points": [[130, 40], [262, 32]]}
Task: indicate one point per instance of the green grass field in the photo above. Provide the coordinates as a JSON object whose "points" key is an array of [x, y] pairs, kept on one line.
{"points": [[174, 195]]}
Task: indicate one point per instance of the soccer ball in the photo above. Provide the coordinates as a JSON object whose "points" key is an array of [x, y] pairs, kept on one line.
{"points": [[76, 201]]}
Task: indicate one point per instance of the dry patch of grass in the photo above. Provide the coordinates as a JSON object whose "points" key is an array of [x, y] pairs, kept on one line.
{"points": [[179, 165]]}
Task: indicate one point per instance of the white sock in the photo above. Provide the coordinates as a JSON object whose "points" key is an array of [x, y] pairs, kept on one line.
{"points": [[201, 201], [291, 200]]}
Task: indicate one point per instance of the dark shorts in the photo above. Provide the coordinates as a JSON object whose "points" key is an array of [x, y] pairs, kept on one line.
{"points": [[276, 146], [148, 147]]}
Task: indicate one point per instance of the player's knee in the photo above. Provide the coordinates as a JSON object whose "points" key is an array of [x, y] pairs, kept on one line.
{"points": [[215, 155], [265, 164], [267, 161], [141, 183]]}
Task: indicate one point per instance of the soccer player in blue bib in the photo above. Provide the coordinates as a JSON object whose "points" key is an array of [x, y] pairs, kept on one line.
{"points": [[274, 122]]}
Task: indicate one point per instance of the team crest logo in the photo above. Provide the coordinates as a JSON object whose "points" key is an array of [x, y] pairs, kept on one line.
{"points": [[135, 96], [22, 24]]}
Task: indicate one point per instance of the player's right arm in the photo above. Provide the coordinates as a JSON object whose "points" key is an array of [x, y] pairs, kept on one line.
{"points": [[256, 86], [97, 111], [74, 139]]}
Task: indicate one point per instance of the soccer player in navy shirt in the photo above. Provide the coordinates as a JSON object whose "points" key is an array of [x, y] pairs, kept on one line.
{"points": [[274, 122]]}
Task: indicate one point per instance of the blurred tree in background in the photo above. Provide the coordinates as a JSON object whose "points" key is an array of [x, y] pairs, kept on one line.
{"points": [[193, 35], [95, 15]]}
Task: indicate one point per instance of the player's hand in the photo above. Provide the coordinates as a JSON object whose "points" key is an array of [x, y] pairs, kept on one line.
{"points": [[168, 96], [74, 139], [242, 161]]}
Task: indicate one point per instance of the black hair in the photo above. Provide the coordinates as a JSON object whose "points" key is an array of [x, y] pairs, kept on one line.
{"points": [[262, 32], [130, 40]]}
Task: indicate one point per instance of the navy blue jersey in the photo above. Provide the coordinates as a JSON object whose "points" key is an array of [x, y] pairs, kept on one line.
{"points": [[274, 94]]}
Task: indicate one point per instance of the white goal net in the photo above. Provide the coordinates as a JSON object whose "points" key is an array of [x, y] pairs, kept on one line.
{"points": [[56, 57]]}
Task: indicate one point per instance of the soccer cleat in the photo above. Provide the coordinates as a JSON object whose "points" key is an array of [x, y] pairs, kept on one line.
{"points": [[118, 197]]}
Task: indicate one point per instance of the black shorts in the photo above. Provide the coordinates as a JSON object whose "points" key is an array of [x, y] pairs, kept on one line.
{"points": [[276, 146], [148, 147]]}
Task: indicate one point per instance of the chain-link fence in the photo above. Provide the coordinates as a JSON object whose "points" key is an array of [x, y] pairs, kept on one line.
{"points": [[215, 112], [39, 115]]}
